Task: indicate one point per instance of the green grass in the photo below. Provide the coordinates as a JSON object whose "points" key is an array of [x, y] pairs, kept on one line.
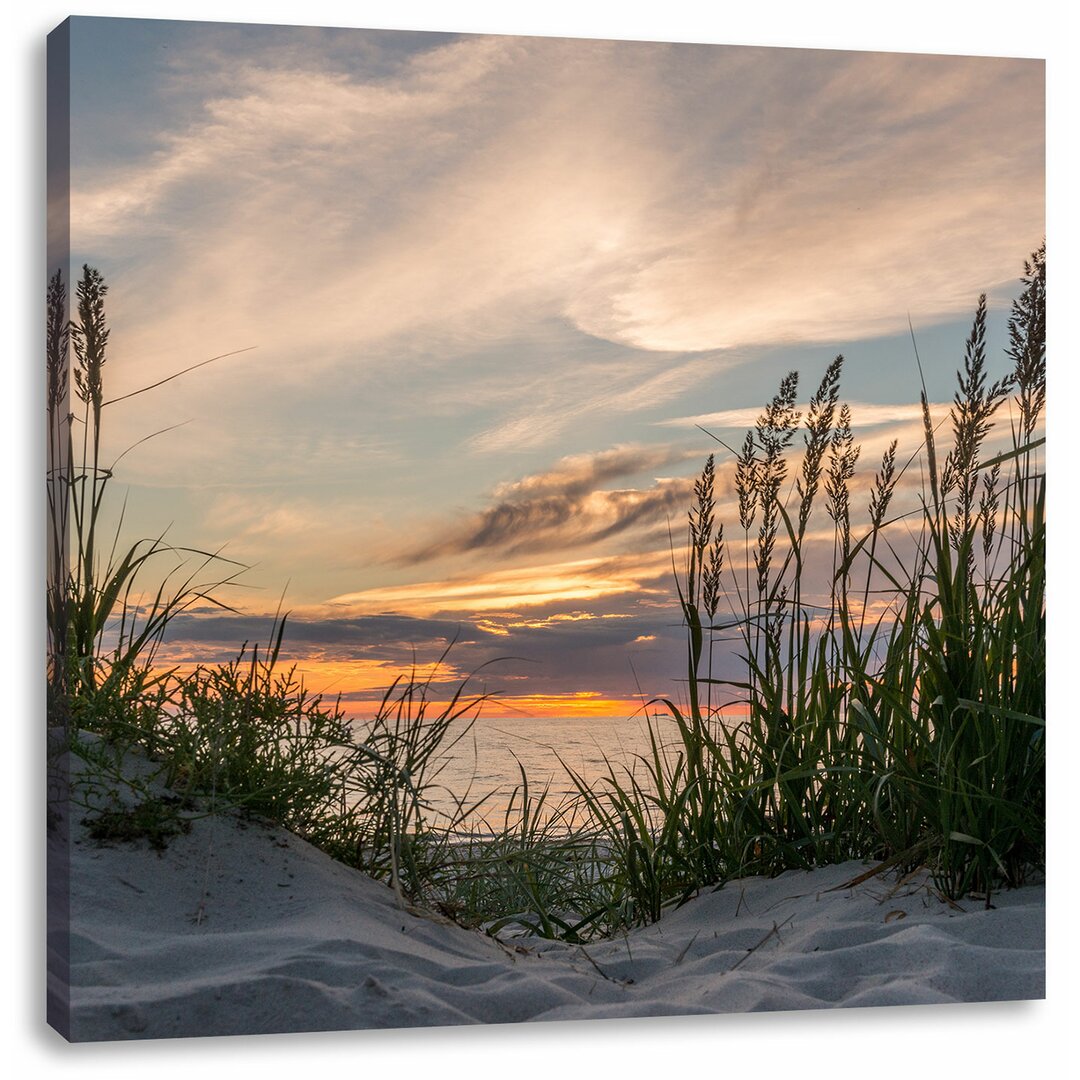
{"points": [[155, 820], [912, 731], [94, 583], [898, 714]]}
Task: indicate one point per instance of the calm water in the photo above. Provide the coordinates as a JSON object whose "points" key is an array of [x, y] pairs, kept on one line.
{"points": [[486, 760]]}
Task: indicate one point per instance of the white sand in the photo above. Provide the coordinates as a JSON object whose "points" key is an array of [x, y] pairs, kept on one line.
{"points": [[239, 928]]}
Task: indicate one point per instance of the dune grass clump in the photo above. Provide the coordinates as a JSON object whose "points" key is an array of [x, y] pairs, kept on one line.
{"points": [[536, 872], [248, 735], [156, 820], [103, 631], [900, 716]]}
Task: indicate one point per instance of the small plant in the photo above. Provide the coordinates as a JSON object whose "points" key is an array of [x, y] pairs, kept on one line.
{"points": [[156, 820], [540, 872]]}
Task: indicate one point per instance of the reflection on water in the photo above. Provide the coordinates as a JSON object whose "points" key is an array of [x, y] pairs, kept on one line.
{"points": [[485, 763]]}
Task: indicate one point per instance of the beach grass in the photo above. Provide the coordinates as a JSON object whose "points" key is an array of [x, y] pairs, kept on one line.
{"points": [[900, 717], [94, 582], [910, 730]]}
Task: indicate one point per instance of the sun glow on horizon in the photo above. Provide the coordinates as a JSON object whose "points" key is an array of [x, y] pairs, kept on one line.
{"points": [[580, 704]]}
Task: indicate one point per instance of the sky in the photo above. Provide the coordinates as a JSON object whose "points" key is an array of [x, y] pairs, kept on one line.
{"points": [[490, 290]]}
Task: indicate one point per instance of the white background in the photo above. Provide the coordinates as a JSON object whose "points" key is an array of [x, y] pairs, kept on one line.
{"points": [[970, 1040]]}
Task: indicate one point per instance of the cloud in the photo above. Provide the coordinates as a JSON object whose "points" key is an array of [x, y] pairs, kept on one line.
{"points": [[364, 654], [863, 414], [667, 197], [565, 659], [829, 223], [579, 474], [514, 527], [532, 586], [564, 507], [357, 632], [586, 390]]}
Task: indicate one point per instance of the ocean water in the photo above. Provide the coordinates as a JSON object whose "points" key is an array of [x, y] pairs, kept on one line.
{"points": [[484, 765]]}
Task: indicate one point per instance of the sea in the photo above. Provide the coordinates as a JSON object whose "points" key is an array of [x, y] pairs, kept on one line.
{"points": [[484, 769]]}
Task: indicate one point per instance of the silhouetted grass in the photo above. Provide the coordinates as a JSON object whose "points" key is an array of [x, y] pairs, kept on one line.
{"points": [[916, 733], [94, 583]]}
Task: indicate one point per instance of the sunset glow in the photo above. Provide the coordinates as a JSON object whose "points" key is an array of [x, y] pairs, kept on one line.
{"points": [[493, 290]]}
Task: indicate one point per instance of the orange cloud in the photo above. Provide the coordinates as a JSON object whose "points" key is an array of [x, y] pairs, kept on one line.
{"points": [[507, 590]]}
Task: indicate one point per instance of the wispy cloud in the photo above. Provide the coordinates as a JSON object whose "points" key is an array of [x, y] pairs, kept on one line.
{"points": [[693, 223], [511, 589], [566, 506], [580, 474], [594, 389], [863, 414]]}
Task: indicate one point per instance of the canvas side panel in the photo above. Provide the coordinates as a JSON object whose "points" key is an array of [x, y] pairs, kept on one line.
{"points": [[57, 389]]}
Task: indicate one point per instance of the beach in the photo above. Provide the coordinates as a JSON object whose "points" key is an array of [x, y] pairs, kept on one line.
{"points": [[237, 927]]}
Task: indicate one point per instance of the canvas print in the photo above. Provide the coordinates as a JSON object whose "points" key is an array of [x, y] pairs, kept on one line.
{"points": [[538, 529]]}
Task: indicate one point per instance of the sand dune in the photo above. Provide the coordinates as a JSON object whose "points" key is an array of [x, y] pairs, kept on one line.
{"points": [[242, 928]]}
